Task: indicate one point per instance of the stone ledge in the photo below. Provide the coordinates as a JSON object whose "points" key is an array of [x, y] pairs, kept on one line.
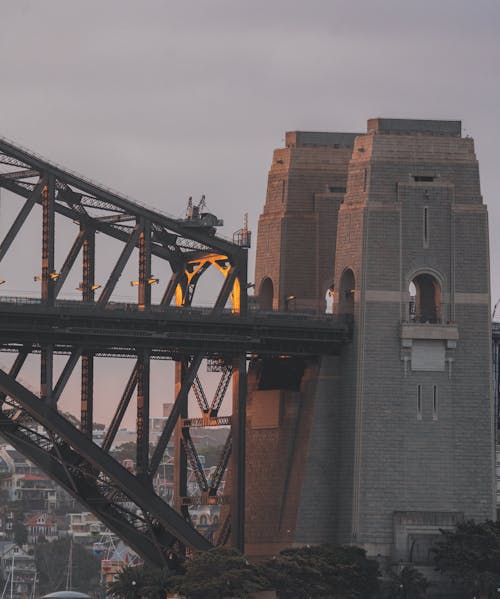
{"points": [[426, 330]]}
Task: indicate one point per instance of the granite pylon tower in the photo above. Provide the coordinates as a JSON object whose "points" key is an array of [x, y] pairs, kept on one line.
{"points": [[393, 439]]}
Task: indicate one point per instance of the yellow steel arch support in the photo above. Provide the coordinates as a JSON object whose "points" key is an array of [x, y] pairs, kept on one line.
{"points": [[195, 268]]}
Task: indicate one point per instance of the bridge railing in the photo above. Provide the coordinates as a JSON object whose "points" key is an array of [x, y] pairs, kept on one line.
{"points": [[203, 311]]}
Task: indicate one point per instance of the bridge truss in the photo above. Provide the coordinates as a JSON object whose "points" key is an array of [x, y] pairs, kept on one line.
{"points": [[95, 327]]}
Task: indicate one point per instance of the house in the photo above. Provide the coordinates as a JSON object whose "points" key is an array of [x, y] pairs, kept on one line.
{"points": [[14, 561], [41, 526], [84, 527]]}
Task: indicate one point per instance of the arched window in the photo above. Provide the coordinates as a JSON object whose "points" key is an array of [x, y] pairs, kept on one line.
{"points": [[266, 294], [425, 299], [347, 289]]}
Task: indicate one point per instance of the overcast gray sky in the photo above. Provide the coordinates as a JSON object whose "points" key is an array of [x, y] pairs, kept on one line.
{"points": [[167, 99]]}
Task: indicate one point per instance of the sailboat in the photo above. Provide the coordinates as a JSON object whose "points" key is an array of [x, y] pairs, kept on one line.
{"points": [[68, 593]]}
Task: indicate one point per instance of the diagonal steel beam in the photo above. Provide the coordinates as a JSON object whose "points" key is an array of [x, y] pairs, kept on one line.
{"points": [[65, 374], [220, 392], [176, 279], [226, 289], [70, 260], [194, 460], [121, 409], [16, 367], [124, 204], [24, 174], [119, 266], [169, 427], [20, 218], [85, 491], [122, 479], [157, 249], [216, 478]]}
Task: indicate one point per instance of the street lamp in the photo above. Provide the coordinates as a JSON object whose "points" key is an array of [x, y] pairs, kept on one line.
{"points": [[91, 288], [151, 281], [288, 299]]}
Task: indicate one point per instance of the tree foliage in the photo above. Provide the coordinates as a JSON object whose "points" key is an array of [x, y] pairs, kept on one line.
{"points": [[470, 554], [133, 582], [407, 583], [221, 572], [52, 564], [128, 451], [323, 571]]}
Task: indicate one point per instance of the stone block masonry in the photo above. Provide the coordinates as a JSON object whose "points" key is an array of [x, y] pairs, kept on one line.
{"points": [[393, 439]]}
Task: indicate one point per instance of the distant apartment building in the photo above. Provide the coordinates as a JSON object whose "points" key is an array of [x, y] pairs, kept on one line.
{"points": [[24, 482], [84, 527]]}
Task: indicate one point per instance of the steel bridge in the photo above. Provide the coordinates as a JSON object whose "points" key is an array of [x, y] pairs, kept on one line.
{"points": [[228, 334]]}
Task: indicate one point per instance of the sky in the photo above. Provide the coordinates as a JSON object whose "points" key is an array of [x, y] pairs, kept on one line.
{"points": [[168, 99]]}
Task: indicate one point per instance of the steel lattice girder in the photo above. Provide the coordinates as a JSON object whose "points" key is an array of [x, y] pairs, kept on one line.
{"points": [[97, 327], [97, 460], [107, 211], [190, 249]]}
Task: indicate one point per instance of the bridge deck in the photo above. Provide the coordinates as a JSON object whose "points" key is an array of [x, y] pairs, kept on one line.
{"points": [[121, 329]]}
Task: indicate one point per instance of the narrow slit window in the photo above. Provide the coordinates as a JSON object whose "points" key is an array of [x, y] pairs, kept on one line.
{"points": [[283, 186], [419, 402], [365, 177], [423, 179], [434, 402], [426, 226]]}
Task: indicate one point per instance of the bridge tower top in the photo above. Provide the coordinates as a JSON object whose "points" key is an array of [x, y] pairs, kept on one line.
{"points": [[412, 267], [297, 229]]}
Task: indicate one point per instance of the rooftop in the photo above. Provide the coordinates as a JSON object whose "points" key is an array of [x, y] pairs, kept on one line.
{"points": [[414, 127], [301, 139]]}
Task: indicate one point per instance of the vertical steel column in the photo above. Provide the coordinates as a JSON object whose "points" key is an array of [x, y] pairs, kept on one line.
{"points": [[144, 298], [143, 374], [238, 453], [87, 394], [88, 266], [87, 382], [180, 457], [48, 241], [48, 280], [46, 372]]}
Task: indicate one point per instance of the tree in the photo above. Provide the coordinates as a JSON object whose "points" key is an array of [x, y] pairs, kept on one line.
{"points": [[470, 554], [221, 572], [52, 564], [323, 571], [129, 583], [133, 582], [407, 583], [128, 451]]}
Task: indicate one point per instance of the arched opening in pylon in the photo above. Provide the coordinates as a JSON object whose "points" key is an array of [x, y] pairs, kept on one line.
{"points": [[347, 290], [425, 299], [266, 294]]}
